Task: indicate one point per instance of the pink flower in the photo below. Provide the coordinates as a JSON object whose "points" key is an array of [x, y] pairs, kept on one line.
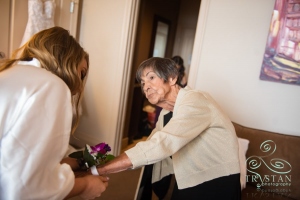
{"points": [[101, 148]]}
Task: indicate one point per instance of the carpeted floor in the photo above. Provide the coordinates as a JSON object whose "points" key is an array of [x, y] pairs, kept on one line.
{"points": [[121, 186]]}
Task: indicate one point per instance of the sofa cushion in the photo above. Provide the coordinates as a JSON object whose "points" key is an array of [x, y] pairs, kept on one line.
{"points": [[272, 160], [243, 147]]}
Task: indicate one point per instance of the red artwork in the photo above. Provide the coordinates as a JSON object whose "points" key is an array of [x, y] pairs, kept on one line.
{"points": [[282, 55]]}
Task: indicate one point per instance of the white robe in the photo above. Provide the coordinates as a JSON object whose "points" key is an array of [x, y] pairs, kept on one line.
{"points": [[35, 124]]}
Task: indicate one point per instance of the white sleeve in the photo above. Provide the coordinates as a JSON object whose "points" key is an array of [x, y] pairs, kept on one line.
{"points": [[191, 118], [36, 142]]}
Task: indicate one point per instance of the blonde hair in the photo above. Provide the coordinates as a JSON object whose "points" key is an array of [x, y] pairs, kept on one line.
{"points": [[59, 53]]}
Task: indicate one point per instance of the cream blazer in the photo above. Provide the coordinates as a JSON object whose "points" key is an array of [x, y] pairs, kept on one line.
{"points": [[200, 138], [35, 124]]}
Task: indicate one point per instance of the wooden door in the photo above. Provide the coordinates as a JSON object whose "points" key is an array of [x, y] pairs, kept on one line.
{"points": [[67, 15], [4, 24]]}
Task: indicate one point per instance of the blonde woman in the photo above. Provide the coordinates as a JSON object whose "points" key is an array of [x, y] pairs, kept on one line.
{"points": [[37, 86]]}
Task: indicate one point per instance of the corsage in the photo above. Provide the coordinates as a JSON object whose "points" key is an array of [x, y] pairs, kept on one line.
{"points": [[92, 156]]}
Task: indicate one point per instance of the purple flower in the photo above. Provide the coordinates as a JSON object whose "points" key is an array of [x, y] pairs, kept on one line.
{"points": [[101, 148]]}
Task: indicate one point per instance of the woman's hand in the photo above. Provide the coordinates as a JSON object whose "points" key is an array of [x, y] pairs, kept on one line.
{"points": [[89, 187], [95, 185]]}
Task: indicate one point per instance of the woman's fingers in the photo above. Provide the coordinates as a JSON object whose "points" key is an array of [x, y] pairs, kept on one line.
{"points": [[104, 178]]}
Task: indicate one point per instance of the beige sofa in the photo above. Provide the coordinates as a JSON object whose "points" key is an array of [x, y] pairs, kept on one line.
{"points": [[273, 164]]}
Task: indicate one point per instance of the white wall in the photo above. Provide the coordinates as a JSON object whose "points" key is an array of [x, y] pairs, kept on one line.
{"points": [[104, 34], [232, 36]]}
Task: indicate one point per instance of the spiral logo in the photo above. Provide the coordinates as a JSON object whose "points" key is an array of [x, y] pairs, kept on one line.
{"points": [[276, 165]]}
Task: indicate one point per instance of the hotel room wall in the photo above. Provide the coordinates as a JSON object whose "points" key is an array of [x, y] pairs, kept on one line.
{"points": [[104, 33], [234, 35]]}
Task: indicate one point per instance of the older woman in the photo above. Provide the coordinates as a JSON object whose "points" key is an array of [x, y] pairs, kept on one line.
{"points": [[198, 144]]}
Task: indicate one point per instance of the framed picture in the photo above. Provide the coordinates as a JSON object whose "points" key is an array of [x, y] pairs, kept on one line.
{"points": [[281, 61]]}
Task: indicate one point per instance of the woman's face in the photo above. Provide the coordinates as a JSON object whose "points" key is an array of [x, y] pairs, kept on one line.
{"points": [[154, 87], [82, 69]]}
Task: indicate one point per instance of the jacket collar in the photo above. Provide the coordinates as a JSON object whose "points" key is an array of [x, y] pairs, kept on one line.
{"points": [[34, 62]]}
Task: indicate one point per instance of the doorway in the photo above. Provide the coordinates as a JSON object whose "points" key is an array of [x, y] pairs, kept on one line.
{"points": [[182, 17]]}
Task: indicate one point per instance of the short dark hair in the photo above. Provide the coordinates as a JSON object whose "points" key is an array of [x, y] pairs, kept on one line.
{"points": [[164, 68]]}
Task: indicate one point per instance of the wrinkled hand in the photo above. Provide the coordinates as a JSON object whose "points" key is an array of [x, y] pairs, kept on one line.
{"points": [[95, 185]]}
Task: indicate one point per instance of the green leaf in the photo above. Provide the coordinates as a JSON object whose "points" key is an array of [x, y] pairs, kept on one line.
{"points": [[88, 157], [109, 157], [100, 156], [76, 154]]}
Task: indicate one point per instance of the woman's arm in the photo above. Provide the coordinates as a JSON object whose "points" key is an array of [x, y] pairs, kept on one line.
{"points": [[118, 164], [70, 161]]}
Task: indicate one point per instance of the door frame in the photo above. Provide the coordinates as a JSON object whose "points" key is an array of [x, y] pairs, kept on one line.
{"points": [[132, 18]]}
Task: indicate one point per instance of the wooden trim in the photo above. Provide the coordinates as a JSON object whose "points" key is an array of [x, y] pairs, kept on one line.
{"points": [[11, 28], [126, 61]]}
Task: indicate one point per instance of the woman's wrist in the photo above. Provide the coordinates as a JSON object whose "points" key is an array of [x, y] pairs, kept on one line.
{"points": [[70, 161], [94, 171], [82, 164]]}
